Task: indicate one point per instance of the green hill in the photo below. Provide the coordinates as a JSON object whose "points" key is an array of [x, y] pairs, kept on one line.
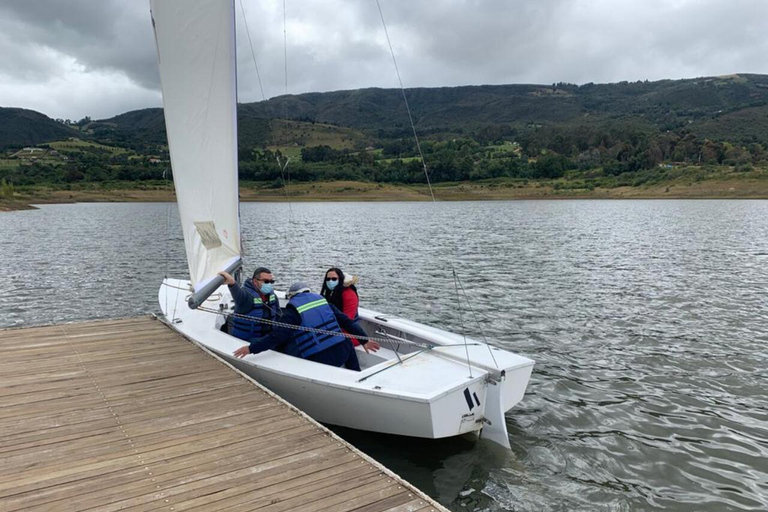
{"points": [[732, 108], [21, 127], [712, 105], [148, 126]]}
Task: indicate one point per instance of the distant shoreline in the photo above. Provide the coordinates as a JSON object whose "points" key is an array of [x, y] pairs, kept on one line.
{"points": [[348, 191]]}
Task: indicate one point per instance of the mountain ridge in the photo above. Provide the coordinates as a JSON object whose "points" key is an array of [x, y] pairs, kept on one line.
{"points": [[729, 107]]}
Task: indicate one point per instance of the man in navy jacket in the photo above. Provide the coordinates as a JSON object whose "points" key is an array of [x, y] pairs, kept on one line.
{"points": [[254, 300]]}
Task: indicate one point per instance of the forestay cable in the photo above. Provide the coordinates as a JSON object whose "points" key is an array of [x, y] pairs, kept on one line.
{"points": [[426, 173], [282, 166], [405, 99]]}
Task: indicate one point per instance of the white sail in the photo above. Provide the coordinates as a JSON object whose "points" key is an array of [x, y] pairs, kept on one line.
{"points": [[196, 52]]}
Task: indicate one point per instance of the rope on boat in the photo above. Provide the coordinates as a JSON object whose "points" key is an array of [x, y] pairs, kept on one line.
{"points": [[275, 323], [389, 341]]}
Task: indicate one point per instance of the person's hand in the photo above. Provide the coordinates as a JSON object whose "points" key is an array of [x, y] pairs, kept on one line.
{"points": [[228, 279], [242, 352], [371, 346]]}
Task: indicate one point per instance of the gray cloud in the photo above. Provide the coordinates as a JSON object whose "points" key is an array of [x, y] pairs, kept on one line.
{"points": [[97, 57]]}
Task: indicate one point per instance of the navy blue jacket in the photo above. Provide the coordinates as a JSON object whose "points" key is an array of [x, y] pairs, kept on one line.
{"points": [[243, 299], [281, 337], [247, 303]]}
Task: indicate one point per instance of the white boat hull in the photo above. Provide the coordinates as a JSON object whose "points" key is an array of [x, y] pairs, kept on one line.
{"points": [[431, 394]]}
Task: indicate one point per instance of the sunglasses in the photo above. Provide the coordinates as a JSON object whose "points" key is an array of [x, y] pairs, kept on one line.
{"points": [[331, 278], [267, 281]]}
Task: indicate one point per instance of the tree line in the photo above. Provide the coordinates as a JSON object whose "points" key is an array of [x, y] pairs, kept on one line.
{"points": [[486, 152]]}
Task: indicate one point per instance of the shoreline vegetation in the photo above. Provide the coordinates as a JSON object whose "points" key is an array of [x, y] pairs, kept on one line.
{"points": [[705, 137], [726, 184]]}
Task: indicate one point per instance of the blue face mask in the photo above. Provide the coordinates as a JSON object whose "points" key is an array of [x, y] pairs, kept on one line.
{"points": [[331, 284], [266, 288]]}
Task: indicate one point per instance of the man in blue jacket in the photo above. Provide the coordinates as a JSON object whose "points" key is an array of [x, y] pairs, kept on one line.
{"points": [[311, 310], [255, 299]]}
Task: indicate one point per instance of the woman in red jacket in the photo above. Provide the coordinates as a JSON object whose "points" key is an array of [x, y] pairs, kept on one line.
{"points": [[341, 295]]}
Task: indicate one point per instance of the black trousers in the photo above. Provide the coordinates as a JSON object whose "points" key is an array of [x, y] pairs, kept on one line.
{"points": [[341, 354]]}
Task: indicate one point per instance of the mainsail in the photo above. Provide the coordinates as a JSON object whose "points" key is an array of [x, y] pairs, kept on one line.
{"points": [[196, 53]]}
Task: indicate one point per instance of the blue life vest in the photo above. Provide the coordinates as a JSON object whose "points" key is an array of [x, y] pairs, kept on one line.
{"points": [[245, 328], [317, 314]]}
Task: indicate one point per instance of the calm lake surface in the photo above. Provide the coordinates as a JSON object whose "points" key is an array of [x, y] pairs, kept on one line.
{"points": [[648, 321]]}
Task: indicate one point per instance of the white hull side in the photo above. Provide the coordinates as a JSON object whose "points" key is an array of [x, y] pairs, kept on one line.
{"points": [[346, 408]]}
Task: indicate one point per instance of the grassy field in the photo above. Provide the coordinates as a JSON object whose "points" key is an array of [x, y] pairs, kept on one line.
{"points": [[290, 136], [292, 152], [6, 163], [506, 148], [84, 145], [406, 159]]}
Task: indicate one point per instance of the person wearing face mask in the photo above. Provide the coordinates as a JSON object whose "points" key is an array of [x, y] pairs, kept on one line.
{"points": [[340, 290], [256, 298]]}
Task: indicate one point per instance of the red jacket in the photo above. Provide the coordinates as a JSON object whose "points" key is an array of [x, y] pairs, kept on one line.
{"points": [[349, 302]]}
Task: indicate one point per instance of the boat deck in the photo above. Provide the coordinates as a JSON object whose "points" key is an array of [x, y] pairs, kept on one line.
{"points": [[128, 415]]}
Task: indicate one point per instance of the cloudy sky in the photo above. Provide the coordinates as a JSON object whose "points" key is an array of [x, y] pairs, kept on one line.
{"points": [[72, 58]]}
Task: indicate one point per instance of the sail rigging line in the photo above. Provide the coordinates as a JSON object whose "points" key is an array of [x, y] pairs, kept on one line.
{"points": [[167, 252], [285, 57], [423, 161], [461, 321], [289, 237], [280, 165], [167, 237], [253, 55], [275, 323], [479, 326], [426, 174], [405, 99], [284, 168]]}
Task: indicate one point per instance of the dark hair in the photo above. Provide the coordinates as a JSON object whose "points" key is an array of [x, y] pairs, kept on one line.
{"points": [[334, 296], [260, 270]]}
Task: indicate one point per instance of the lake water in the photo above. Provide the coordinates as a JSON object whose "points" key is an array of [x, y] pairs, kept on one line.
{"points": [[648, 321]]}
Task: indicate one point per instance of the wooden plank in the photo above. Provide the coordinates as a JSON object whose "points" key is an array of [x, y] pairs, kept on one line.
{"points": [[395, 503], [411, 506], [383, 498], [167, 470], [285, 491], [209, 488], [69, 456], [117, 493], [127, 415], [97, 465], [360, 494]]}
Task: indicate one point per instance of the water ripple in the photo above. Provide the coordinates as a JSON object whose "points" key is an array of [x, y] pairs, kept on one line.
{"points": [[647, 320]]}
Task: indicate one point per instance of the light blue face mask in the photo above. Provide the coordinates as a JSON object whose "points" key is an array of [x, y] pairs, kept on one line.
{"points": [[331, 284], [266, 288]]}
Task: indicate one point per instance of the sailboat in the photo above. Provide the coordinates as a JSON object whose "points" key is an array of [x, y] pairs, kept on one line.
{"points": [[423, 382]]}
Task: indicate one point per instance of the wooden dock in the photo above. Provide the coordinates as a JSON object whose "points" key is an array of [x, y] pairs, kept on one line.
{"points": [[128, 415]]}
